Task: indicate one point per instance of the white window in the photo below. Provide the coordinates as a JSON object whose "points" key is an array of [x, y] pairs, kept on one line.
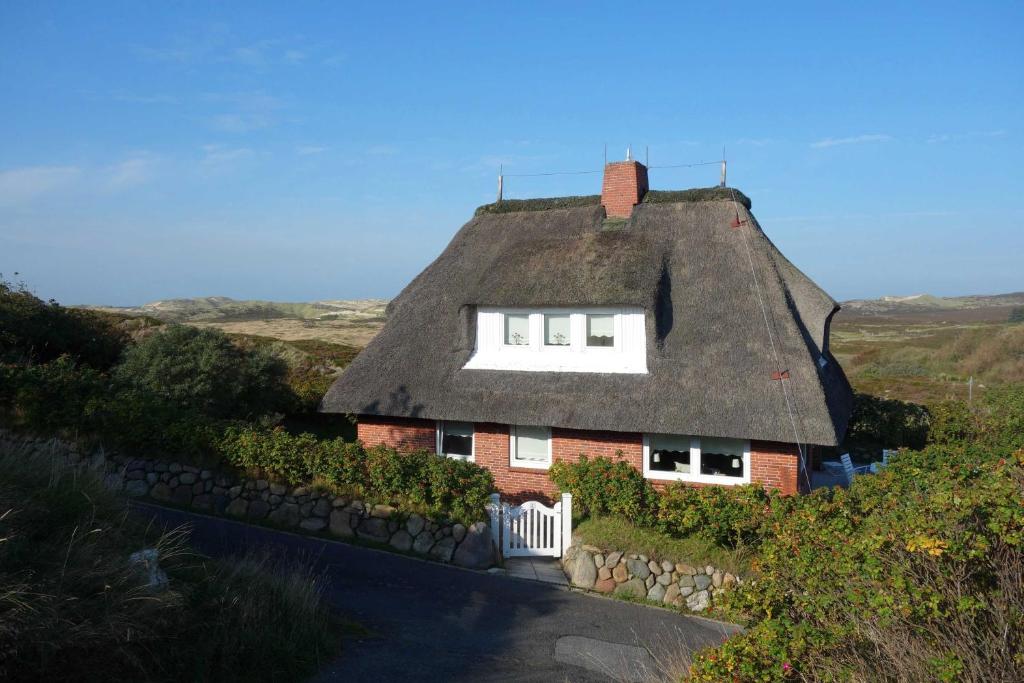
{"points": [[557, 329], [517, 329], [606, 339], [455, 440], [530, 446], [705, 459], [600, 329]]}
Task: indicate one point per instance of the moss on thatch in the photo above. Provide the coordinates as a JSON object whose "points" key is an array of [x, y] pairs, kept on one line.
{"points": [[697, 194], [541, 204]]}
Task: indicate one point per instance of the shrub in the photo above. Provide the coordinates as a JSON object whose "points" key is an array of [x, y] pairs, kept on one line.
{"points": [[606, 486], [952, 422], [37, 331], [203, 371], [59, 395], [441, 485], [887, 423], [728, 516], [913, 573]]}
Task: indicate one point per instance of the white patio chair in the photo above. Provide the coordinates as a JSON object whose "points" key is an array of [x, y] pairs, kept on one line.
{"points": [[850, 470]]}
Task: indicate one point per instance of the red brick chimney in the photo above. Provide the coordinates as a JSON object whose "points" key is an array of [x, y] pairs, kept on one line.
{"points": [[625, 184]]}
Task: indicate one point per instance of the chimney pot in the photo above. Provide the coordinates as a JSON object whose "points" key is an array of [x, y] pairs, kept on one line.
{"points": [[624, 186]]}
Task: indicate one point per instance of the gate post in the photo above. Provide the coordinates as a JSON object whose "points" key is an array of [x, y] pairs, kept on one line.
{"points": [[494, 512], [566, 522]]}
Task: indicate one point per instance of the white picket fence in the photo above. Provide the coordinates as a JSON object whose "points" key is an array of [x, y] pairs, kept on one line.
{"points": [[531, 529]]}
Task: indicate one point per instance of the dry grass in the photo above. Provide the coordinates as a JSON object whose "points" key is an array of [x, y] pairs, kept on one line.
{"points": [[72, 608], [356, 333]]}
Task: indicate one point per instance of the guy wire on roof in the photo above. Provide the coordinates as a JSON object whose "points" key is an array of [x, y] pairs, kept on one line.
{"points": [[778, 362]]}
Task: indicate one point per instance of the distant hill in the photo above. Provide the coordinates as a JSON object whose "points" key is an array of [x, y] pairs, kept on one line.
{"points": [[221, 309], [971, 308]]}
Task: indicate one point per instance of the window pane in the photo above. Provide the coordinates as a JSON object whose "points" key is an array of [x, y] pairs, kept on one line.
{"points": [[600, 330], [532, 443], [457, 438], [556, 330], [517, 329], [670, 453], [723, 457]]}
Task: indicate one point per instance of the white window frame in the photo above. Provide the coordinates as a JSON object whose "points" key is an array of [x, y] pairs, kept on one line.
{"points": [[695, 475], [529, 464], [531, 341], [628, 353], [439, 439]]}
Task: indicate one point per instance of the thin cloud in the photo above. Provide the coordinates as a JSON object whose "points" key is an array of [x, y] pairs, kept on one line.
{"points": [[131, 172], [382, 150], [308, 150], [146, 99], [755, 142], [22, 185], [252, 111], [855, 140], [219, 156], [954, 137]]}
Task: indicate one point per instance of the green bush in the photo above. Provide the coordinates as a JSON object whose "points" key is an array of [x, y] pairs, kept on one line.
{"points": [[952, 422], [996, 420], [728, 516], [605, 486], [910, 574], [886, 423], [203, 371], [37, 331], [59, 395], [440, 485]]}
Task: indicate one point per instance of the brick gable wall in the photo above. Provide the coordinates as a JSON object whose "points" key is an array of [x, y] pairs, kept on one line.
{"points": [[775, 465]]}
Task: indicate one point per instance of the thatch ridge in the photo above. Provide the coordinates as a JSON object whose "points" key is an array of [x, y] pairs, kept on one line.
{"points": [[709, 354], [539, 204], [696, 194]]}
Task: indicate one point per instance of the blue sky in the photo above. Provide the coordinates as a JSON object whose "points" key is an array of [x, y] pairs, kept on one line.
{"points": [[305, 151]]}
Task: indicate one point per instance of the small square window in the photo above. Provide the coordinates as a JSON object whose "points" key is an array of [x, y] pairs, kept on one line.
{"points": [[600, 329], [455, 440], [531, 446], [556, 329], [517, 329]]}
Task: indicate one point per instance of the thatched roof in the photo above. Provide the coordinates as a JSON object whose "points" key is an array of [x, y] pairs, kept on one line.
{"points": [[710, 362]]}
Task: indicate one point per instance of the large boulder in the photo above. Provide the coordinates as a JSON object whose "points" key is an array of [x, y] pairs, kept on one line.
{"points": [[699, 601], [582, 570], [313, 524], [638, 568], [401, 541], [238, 507], [161, 492], [341, 523], [443, 549], [634, 588], [476, 550], [423, 543], [136, 488], [374, 529], [287, 515], [258, 509]]}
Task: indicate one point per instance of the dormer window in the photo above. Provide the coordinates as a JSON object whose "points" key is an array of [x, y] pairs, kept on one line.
{"points": [[557, 329], [517, 329], [605, 339], [600, 329]]}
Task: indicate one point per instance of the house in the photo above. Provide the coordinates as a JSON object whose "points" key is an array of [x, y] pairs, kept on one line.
{"points": [[662, 325]]}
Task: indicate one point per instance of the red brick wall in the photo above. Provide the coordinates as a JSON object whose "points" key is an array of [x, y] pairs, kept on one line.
{"points": [[625, 184], [775, 465], [398, 432]]}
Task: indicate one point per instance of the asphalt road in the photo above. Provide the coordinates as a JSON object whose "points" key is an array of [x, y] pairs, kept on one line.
{"points": [[430, 622]]}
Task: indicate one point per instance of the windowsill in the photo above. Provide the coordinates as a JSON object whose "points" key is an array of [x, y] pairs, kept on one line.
{"points": [[467, 458], [527, 465], [695, 478], [531, 469]]}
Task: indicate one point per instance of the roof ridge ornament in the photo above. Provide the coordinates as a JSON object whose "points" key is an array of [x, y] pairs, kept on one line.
{"points": [[629, 152]]}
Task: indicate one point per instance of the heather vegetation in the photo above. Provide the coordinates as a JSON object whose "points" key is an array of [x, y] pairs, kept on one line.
{"points": [[913, 573]]}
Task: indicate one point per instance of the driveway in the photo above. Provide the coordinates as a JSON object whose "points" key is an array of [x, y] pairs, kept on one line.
{"points": [[431, 622]]}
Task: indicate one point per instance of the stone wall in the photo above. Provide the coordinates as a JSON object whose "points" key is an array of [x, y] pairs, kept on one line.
{"points": [[299, 508], [670, 583]]}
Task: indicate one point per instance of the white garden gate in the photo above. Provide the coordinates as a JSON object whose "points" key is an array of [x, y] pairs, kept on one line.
{"points": [[531, 529]]}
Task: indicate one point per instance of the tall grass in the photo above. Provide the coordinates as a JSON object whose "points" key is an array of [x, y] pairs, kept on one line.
{"points": [[73, 608]]}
